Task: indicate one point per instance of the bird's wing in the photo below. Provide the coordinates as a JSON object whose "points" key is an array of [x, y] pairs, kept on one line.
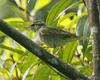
{"points": [[54, 32]]}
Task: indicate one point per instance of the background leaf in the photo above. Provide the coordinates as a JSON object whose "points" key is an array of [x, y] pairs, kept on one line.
{"points": [[53, 13]]}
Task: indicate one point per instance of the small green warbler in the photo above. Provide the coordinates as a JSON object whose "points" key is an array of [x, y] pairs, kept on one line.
{"points": [[51, 36]]}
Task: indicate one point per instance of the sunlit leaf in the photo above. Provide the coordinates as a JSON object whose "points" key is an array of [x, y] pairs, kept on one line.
{"points": [[12, 69], [13, 19], [41, 3], [53, 13], [26, 73], [42, 73], [12, 49], [74, 5], [63, 21], [28, 60], [17, 23], [69, 51]]}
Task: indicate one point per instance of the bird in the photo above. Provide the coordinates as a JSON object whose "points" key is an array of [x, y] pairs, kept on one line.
{"points": [[51, 36]]}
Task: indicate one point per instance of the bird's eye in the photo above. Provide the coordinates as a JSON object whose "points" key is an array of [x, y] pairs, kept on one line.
{"points": [[38, 23], [32, 25], [41, 24], [35, 24]]}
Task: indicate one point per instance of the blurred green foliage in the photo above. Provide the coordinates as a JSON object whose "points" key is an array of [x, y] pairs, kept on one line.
{"points": [[16, 63]]}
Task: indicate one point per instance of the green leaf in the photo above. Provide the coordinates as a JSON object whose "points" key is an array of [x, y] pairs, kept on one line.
{"points": [[13, 19], [12, 69], [69, 51], [17, 23], [71, 14], [27, 72], [82, 28], [31, 4], [74, 5], [75, 20], [42, 73], [87, 70], [27, 61], [88, 53], [13, 2], [61, 5], [83, 31], [24, 4], [12, 49]]}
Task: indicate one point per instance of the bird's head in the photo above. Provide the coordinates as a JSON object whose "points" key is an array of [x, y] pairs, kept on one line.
{"points": [[35, 26]]}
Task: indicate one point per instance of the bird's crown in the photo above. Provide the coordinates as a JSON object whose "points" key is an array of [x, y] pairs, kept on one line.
{"points": [[36, 25], [38, 22]]}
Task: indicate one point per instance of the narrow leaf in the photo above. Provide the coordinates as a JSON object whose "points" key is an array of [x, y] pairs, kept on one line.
{"points": [[60, 6]]}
